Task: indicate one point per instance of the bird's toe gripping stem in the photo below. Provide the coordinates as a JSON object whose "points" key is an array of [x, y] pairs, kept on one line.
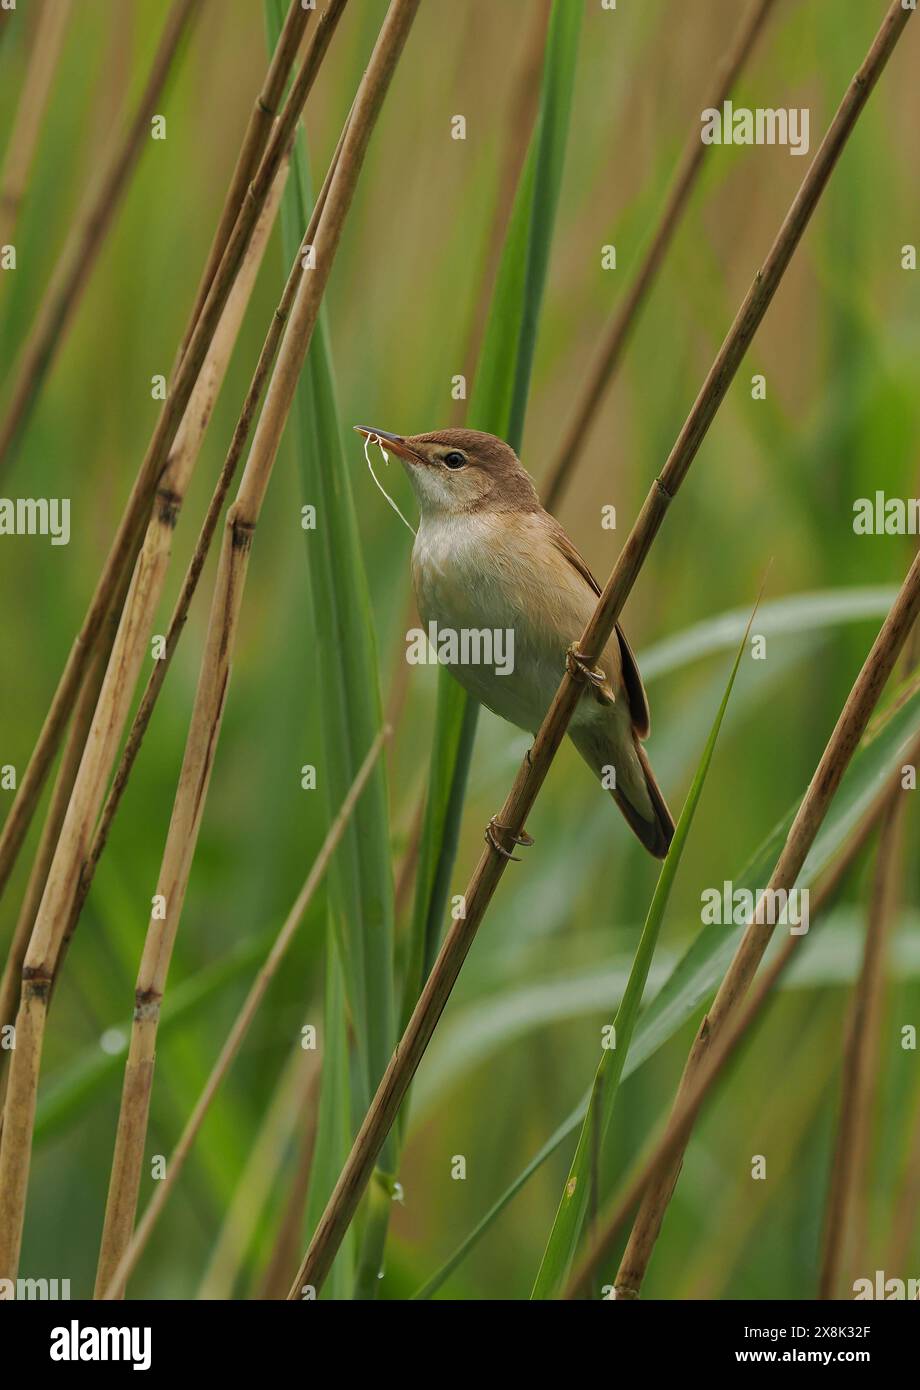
{"points": [[523, 839], [578, 665]]}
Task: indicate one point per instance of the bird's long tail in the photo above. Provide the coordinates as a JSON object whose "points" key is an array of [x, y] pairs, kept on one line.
{"points": [[636, 793]]}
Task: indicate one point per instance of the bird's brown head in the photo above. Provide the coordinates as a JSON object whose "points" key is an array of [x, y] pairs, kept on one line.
{"points": [[454, 471]]}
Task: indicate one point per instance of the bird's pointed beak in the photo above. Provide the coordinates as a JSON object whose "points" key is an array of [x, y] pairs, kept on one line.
{"points": [[394, 442]]}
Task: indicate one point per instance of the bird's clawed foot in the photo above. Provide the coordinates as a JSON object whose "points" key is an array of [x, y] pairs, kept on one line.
{"points": [[578, 665], [492, 829]]}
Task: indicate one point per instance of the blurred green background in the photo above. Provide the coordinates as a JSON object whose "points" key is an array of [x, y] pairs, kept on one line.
{"points": [[774, 482]]}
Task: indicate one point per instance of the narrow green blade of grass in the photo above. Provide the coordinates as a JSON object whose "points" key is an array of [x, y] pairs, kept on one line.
{"points": [[498, 405], [566, 1229], [695, 978]]}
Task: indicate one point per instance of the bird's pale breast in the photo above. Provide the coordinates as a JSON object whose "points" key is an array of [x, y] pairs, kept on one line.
{"points": [[501, 570]]}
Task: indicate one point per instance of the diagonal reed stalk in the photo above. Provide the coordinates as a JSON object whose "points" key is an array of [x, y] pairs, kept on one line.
{"points": [[207, 713], [610, 350], [82, 247], [33, 100], [842, 744], [130, 534], [111, 1277], [673, 1135], [488, 873], [55, 918]]}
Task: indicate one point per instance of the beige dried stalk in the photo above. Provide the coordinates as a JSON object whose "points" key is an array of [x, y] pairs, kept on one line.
{"points": [[207, 713], [384, 1108]]}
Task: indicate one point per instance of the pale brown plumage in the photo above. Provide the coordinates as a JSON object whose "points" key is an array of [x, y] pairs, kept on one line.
{"points": [[487, 555]]}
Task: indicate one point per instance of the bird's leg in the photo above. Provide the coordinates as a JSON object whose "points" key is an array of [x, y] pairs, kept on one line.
{"points": [[524, 840], [577, 665]]}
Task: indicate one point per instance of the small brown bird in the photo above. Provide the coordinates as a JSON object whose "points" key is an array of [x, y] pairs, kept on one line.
{"points": [[488, 556]]}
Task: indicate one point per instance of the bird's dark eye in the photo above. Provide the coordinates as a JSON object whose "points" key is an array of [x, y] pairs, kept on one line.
{"points": [[454, 459]]}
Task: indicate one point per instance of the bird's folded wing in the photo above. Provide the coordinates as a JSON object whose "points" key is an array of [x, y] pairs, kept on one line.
{"points": [[635, 690]]}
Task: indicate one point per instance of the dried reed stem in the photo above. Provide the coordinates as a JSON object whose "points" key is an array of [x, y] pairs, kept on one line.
{"points": [[33, 99], [410, 1050], [674, 1134], [204, 728], [79, 254], [607, 358], [113, 1272], [834, 761], [129, 537], [55, 914]]}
